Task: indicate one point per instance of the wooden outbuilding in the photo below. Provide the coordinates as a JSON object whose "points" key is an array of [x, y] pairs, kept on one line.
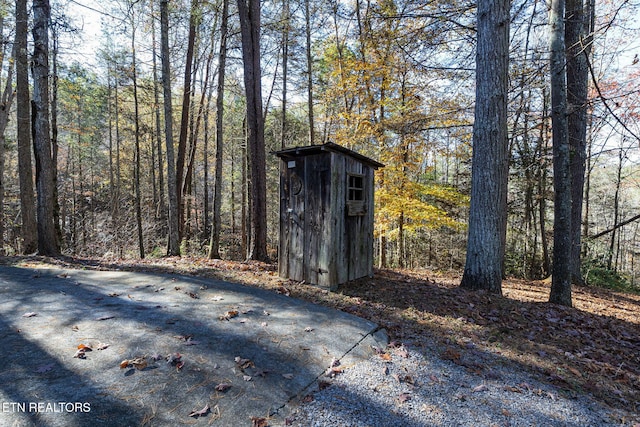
{"points": [[326, 214]]}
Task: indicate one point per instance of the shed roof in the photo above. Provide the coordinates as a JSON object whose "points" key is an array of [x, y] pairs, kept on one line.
{"points": [[289, 153]]}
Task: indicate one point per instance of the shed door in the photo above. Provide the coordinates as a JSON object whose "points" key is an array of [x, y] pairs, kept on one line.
{"points": [[295, 220]]}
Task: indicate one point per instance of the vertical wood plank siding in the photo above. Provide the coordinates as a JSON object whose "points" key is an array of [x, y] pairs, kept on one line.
{"points": [[320, 242]]}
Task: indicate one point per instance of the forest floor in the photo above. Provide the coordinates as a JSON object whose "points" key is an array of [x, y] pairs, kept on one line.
{"points": [[592, 348]]}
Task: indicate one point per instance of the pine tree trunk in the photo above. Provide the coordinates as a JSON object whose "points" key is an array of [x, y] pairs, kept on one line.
{"points": [[214, 246], [173, 244], [47, 236], [249, 11], [137, 165], [490, 162], [561, 276], [578, 42], [27, 200], [309, 74]]}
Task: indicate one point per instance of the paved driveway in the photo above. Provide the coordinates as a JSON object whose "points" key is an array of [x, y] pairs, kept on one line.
{"points": [[161, 348]]}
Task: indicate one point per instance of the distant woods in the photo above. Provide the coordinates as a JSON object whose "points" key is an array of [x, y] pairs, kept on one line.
{"points": [[154, 138]]}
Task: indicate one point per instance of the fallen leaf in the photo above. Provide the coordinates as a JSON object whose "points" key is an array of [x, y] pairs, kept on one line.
{"points": [[481, 387], [288, 376], [283, 291], [333, 371], [229, 315], [404, 397], [139, 363], [102, 346], [192, 295], [261, 373], [259, 422], [323, 384], [247, 378], [308, 329], [308, 398], [217, 298], [201, 412], [222, 387], [124, 364], [80, 354], [386, 357], [244, 363], [84, 347], [30, 314], [175, 359], [402, 352]]}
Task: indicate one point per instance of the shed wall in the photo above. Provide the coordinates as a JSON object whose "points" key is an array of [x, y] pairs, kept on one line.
{"points": [[319, 242]]}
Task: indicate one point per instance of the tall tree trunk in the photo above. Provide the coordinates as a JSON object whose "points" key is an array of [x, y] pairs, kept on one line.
{"points": [[27, 200], [136, 172], [285, 69], [54, 129], [249, 11], [184, 121], [490, 162], [616, 210], [578, 42], [47, 236], [162, 214], [561, 276], [214, 245], [173, 243], [310, 116], [6, 99]]}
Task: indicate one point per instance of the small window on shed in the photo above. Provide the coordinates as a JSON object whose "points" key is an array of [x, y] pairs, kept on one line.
{"points": [[355, 195]]}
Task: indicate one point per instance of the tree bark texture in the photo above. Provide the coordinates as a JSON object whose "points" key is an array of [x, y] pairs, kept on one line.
{"points": [[47, 236], [6, 100], [490, 161], [307, 15], [578, 44], [23, 112], [561, 274], [184, 120], [249, 11], [214, 247], [173, 244]]}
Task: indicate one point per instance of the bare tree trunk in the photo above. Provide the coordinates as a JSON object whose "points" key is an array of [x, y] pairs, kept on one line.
{"points": [[214, 246], [616, 209], [309, 73], [561, 277], [6, 99], [249, 11], [54, 131], [578, 42], [285, 68], [47, 236], [156, 99], [184, 121], [136, 172], [173, 244], [27, 200], [490, 162]]}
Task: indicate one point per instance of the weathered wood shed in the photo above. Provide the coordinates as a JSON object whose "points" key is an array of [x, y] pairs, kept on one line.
{"points": [[326, 214]]}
